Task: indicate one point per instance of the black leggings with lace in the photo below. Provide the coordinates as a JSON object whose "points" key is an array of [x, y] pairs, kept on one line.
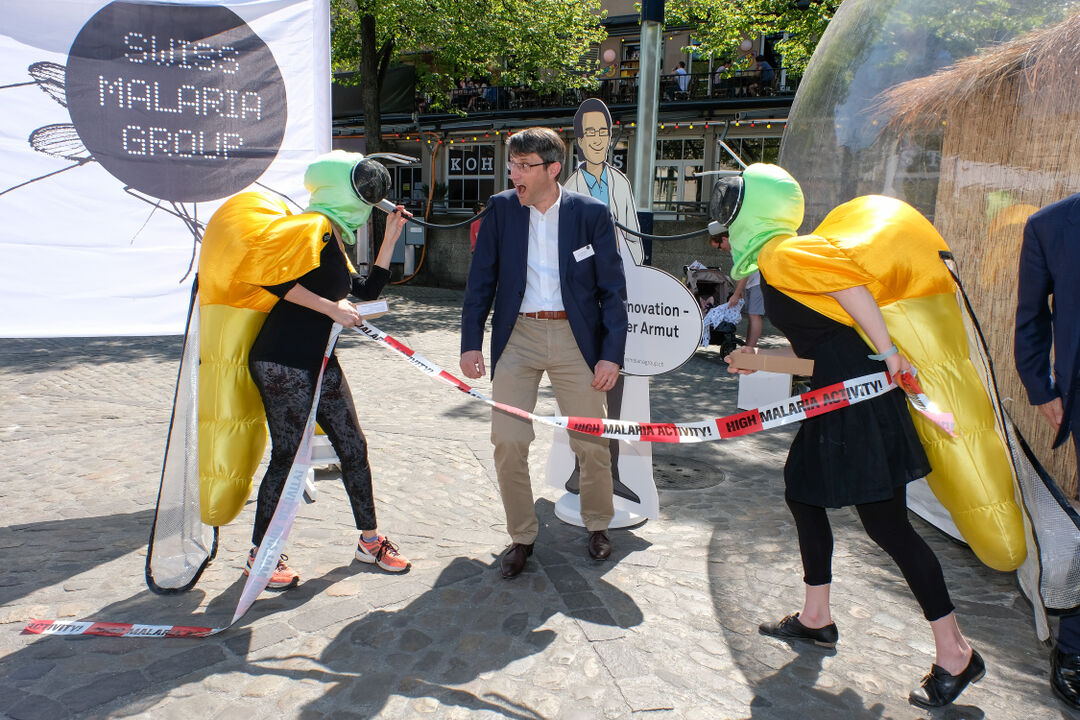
{"points": [[287, 393]]}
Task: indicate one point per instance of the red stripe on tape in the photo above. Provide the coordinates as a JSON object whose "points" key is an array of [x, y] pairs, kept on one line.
{"points": [[742, 424], [659, 432], [179, 631], [403, 349], [454, 381], [589, 426], [827, 399], [37, 626]]}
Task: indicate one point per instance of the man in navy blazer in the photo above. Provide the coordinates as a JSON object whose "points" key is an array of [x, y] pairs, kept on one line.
{"points": [[1048, 315], [547, 258]]}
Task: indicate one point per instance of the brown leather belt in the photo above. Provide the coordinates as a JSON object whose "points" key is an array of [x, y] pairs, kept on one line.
{"points": [[546, 315]]}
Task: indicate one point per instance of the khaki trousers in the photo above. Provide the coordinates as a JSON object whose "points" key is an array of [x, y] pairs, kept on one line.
{"points": [[537, 346]]}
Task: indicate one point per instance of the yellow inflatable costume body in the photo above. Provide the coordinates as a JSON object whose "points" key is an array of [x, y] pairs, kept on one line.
{"points": [[887, 246], [251, 241]]}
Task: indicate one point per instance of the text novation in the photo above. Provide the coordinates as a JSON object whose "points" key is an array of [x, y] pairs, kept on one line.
{"points": [[660, 309]]}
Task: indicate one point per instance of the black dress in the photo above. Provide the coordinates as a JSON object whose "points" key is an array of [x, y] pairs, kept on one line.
{"points": [[860, 453]]}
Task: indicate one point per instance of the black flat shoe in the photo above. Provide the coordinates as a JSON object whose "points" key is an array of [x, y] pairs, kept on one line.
{"points": [[939, 687], [789, 628], [1065, 677]]}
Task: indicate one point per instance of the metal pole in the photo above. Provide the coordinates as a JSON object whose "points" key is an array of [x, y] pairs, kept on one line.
{"points": [[652, 26]]}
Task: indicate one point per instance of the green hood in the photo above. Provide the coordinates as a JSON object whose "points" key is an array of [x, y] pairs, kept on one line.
{"points": [[772, 205], [329, 180]]}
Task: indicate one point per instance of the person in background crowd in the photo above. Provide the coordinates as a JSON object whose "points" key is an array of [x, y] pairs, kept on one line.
{"points": [[474, 226], [749, 288], [763, 76], [682, 78]]}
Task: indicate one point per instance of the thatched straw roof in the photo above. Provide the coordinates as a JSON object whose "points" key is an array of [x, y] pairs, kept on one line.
{"points": [[1042, 58]]}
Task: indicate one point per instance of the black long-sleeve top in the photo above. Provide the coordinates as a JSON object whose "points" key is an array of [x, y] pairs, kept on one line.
{"points": [[296, 336]]}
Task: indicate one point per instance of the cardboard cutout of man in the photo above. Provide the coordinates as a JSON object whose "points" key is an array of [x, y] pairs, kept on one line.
{"points": [[596, 176], [599, 178]]}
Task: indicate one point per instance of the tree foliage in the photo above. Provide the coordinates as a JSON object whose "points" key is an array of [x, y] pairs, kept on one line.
{"points": [[719, 26], [539, 43]]}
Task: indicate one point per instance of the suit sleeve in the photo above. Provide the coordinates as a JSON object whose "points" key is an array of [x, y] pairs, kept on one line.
{"points": [[1034, 332], [482, 281], [610, 288]]}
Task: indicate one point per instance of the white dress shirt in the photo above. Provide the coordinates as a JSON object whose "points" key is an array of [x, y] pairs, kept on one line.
{"points": [[542, 291]]}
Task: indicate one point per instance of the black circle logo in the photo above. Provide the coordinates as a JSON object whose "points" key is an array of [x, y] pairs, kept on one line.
{"points": [[184, 103]]}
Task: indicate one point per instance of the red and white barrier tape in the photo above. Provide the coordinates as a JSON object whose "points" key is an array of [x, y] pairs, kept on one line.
{"points": [[783, 412], [61, 627]]}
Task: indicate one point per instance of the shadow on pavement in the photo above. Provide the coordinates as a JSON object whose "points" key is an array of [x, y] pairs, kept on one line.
{"points": [[72, 546], [29, 355], [470, 623]]}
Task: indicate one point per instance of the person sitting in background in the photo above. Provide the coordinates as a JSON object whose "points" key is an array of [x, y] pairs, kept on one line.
{"points": [[460, 95], [763, 77], [682, 78], [719, 80]]}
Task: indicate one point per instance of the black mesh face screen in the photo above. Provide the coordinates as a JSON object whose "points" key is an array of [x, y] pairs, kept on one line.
{"points": [[727, 196], [371, 181]]}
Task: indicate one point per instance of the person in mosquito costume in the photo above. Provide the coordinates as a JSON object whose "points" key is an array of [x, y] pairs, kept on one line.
{"points": [[272, 283], [868, 292]]}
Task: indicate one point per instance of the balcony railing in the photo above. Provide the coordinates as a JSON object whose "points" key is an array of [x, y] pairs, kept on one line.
{"points": [[623, 91]]}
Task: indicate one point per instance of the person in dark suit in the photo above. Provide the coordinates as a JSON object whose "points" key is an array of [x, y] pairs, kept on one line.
{"points": [[1048, 316], [547, 258]]}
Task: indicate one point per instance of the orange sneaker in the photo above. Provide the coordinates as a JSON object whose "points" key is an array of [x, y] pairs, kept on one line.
{"points": [[283, 577], [383, 553]]}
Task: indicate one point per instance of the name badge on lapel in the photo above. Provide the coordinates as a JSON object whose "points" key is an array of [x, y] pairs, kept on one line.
{"points": [[583, 253]]}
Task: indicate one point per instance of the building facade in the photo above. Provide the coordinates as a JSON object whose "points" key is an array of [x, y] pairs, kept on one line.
{"points": [[714, 118]]}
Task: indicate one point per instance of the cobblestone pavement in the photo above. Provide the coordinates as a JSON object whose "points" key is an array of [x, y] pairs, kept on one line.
{"points": [[667, 628]]}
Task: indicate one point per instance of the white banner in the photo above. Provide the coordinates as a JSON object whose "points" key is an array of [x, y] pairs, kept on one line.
{"points": [[123, 127]]}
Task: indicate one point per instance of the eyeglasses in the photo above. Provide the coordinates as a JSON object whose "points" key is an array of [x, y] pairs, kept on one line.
{"points": [[593, 132], [522, 167]]}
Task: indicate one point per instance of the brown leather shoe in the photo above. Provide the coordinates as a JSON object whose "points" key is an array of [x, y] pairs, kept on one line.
{"points": [[599, 544], [513, 560]]}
